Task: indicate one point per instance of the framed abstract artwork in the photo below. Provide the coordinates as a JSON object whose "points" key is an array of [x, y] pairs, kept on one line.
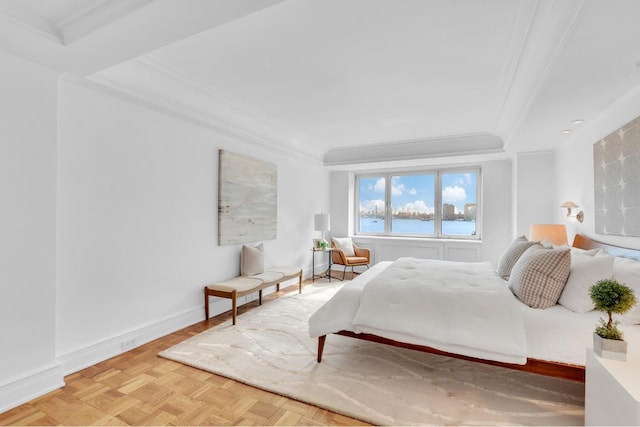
{"points": [[616, 164], [247, 199]]}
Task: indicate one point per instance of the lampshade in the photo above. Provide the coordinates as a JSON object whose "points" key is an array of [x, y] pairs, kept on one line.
{"points": [[556, 234], [569, 204], [321, 222]]}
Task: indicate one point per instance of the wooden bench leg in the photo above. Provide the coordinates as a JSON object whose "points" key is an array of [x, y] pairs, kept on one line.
{"points": [[321, 341], [206, 304], [300, 282], [277, 287], [260, 297], [234, 305]]}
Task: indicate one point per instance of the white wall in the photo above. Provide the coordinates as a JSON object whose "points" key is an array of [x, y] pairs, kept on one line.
{"points": [[342, 203], [496, 221], [574, 166], [27, 230], [138, 222], [534, 183]]}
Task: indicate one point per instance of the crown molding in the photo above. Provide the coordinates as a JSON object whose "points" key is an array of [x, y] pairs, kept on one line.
{"points": [[445, 146], [551, 26], [30, 22], [521, 31], [213, 118], [225, 101], [96, 16]]}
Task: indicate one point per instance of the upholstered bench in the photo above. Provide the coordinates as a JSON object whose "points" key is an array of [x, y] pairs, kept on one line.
{"points": [[245, 285]]}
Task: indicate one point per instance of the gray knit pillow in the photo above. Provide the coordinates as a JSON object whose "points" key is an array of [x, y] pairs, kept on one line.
{"points": [[252, 260], [540, 275], [511, 255]]}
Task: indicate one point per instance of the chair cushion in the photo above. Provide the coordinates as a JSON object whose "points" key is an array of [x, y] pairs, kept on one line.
{"points": [[252, 260], [357, 260], [344, 244]]}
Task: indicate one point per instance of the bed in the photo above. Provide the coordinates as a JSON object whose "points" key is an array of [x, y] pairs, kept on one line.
{"points": [[392, 303]]}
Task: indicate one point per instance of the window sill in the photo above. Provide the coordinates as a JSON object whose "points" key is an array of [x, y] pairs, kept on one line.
{"points": [[365, 237]]}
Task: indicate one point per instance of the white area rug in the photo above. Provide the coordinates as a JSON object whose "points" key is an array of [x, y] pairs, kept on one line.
{"points": [[270, 348]]}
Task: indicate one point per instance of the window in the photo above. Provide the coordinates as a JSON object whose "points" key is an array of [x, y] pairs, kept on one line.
{"points": [[438, 203]]}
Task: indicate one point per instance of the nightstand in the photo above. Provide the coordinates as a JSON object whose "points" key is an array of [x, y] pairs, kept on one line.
{"points": [[612, 391]]}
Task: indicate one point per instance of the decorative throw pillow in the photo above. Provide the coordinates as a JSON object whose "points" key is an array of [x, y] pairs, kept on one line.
{"points": [[252, 260], [345, 245], [586, 270], [627, 271], [540, 275], [511, 255]]}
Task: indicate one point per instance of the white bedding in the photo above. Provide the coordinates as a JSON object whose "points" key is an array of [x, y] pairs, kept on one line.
{"points": [[554, 334], [410, 300]]}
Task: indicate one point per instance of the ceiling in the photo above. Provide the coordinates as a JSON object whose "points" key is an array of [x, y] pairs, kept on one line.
{"points": [[347, 82]]}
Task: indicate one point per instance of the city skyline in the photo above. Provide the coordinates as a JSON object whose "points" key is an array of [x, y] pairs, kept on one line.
{"points": [[416, 193]]}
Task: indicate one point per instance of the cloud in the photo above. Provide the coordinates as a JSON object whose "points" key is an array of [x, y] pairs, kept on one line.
{"points": [[399, 189], [396, 189], [418, 206], [454, 194], [379, 187]]}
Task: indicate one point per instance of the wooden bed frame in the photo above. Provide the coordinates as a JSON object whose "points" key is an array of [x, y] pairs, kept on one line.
{"points": [[542, 367]]}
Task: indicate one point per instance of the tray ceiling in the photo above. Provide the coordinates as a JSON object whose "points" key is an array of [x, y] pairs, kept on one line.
{"points": [[336, 80]]}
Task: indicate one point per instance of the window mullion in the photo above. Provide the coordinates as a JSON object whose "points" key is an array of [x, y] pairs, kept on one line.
{"points": [[387, 204], [437, 217]]}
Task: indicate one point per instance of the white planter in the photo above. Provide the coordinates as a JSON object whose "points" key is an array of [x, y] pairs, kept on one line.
{"points": [[609, 349]]}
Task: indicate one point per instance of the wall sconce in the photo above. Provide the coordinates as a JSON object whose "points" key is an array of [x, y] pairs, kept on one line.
{"points": [[568, 205]]}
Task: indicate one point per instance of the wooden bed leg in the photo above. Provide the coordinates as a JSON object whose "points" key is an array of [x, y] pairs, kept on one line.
{"points": [[300, 282], [321, 341]]}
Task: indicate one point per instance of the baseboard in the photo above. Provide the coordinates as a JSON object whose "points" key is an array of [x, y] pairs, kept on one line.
{"points": [[88, 356], [21, 390]]}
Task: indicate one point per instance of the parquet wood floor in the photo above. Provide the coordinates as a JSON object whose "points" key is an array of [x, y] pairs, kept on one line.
{"points": [[140, 388]]}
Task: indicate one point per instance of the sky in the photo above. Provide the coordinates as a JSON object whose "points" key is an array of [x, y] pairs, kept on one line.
{"points": [[416, 192]]}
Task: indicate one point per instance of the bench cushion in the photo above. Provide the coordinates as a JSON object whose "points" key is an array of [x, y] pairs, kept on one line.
{"points": [[287, 271], [271, 277], [239, 284]]}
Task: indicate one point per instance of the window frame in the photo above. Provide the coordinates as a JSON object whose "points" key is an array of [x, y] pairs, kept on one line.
{"points": [[438, 214]]}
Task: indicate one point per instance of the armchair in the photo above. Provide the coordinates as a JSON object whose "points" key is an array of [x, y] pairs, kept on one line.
{"points": [[347, 254]]}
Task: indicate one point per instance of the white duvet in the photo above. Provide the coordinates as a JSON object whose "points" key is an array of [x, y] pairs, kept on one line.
{"points": [[462, 308]]}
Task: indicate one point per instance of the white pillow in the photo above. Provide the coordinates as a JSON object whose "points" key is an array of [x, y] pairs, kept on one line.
{"points": [[627, 271], [252, 260], [345, 245], [590, 252], [586, 270]]}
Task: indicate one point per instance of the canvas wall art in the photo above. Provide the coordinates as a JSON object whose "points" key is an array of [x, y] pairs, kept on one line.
{"points": [[247, 199], [616, 163]]}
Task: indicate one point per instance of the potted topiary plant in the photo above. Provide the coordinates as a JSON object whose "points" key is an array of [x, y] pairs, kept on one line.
{"points": [[610, 296]]}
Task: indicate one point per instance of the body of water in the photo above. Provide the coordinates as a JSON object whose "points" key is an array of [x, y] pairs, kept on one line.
{"points": [[416, 226]]}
